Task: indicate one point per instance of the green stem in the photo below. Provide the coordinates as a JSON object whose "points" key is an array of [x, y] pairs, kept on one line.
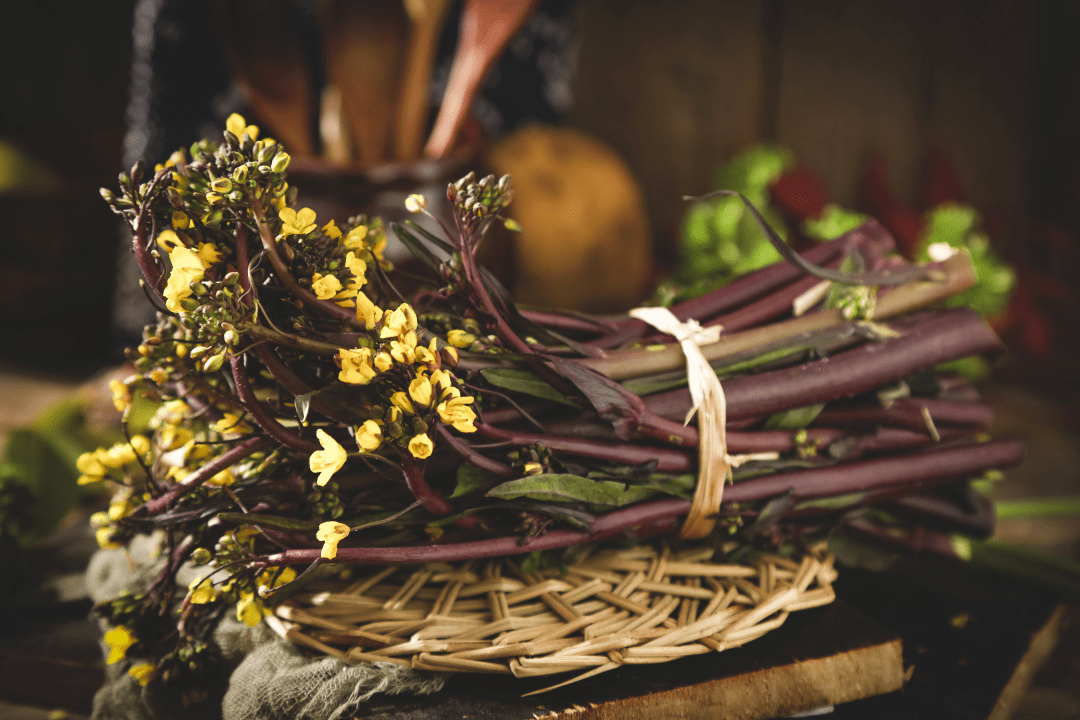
{"points": [[1037, 508]]}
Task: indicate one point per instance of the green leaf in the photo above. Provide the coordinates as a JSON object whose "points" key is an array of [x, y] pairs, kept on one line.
{"points": [[524, 381], [419, 250], [302, 405], [794, 419], [437, 241], [571, 488], [272, 521], [836, 502], [49, 473], [470, 479]]}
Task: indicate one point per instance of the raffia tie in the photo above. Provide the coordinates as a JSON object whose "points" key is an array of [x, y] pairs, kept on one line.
{"points": [[714, 464]]}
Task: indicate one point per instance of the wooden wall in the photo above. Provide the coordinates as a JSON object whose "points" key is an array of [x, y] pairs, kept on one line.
{"points": [[679, 86]]}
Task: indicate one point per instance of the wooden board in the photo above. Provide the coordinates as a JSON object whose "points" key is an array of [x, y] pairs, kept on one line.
{"points": [[819, 657], [972, 642]]}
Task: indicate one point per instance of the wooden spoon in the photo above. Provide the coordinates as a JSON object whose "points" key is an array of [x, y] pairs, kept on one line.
{"points": [[268, 63], [427, 18], [363, 41], [486, 28]]}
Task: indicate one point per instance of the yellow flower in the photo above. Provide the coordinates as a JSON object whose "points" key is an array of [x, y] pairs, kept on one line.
{"points": [[271, 579], [455, 411], [331, 230], [415, 203], [296, 223], [224, 478], [358, 268], [421, 446], [402, 400], [104, 539], [399, 322], [383, 361], [369, 436], [209, 254], [331, 533], [143, 672], [327, 461], [355, 238], [117, 456], [121, 397], [89, 464], [171, 437], [420, 391], [356, 366], [533, 468], [119, 639], [168, 240], [249, 610], [429, 354], [237, 125], [367, 311], [140, 444], [231, 424], [393, 414], [158, 376], [403, 352], [180, 221], [186, 269], [278, 203], [214, 198], [119, 508], [201, 591], [441, 378], [460, 338], [450, 355], [325, 286]]}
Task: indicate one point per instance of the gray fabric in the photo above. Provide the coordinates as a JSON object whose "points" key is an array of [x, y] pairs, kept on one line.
{"points": [[271, 679], [276, 682]]}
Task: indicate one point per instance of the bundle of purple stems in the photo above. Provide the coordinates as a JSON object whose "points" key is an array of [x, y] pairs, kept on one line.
{"points": [[885, 432]]}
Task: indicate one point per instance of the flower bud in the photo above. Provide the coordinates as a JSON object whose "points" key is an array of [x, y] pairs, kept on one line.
{"points": [[222, 185], [240, 174], [213, 363], [231, 278], [201, 556], [281, 162], [107, 195], [137, 171], [198, 351], [231, 337]]}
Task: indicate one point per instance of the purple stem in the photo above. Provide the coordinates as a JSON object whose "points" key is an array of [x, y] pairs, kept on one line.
{"points": [[924, 469], [756, 284], [473, 457], [648, 518], [263, 418], [207, 471], [907, 413], [926, 339]]}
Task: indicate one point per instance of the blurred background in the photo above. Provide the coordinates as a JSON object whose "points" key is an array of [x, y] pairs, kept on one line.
{"points": [[606, 113]]}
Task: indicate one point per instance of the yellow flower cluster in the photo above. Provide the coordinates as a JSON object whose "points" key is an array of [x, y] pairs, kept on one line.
{"points": [[94, 466]]}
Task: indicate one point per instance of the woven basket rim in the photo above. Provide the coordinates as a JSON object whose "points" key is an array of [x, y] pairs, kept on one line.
{"points": [[634, 606]]}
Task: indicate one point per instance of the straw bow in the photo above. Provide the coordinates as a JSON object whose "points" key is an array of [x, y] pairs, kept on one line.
{"points": [[714, 464]]}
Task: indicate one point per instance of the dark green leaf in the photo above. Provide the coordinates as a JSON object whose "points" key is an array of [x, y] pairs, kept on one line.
{"points": [[836, 502], [773, 511], [269, 521], [419, 250], [524, 381], [571, 488], [794, 419], [435, 239], [470, 479]]}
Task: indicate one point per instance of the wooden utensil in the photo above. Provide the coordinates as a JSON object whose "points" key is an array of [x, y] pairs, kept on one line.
{"points": [[427, 17], [486, 28], [363, 42], [268, 63]]}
